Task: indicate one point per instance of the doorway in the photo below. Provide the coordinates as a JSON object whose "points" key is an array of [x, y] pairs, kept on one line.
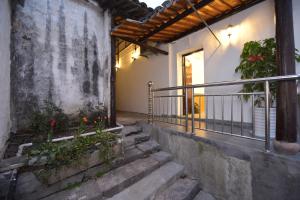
{"points": [[193, 73]]}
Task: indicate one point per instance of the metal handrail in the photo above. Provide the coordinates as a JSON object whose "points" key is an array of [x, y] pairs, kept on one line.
{"points": [[237, 82], [266, 93]]}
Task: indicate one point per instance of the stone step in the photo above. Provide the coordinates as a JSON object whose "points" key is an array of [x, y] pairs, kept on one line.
{"points": [[131, 130], [204, 196], [182, 189], [115, 180], [136, 139], [127, 122], [29, 187], [156, 182], [150, 146]]}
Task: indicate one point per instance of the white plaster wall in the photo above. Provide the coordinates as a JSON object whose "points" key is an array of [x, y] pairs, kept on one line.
{"points": [[133, 76], [5, 27], [255, 23]]}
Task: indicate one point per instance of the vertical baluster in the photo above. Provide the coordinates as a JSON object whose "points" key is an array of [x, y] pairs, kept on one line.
{"points": [[206, 112], [186, 111], [222, 104], [180, 109], [155, 109], [199, 111], [193, 111], [253, 116], [242, 115], [163, 110], [267, 116], [231, 114], [176, 109], [168, 104], [171, 110], [159, 117], [214, 113]]}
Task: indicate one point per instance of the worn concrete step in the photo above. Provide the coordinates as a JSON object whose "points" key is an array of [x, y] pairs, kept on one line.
{"points": [[148, 187], [136, 139], [204, 196], [131, 130], [150, 146], [115, 180], [182, 189], [127, 121], [29, 187]]}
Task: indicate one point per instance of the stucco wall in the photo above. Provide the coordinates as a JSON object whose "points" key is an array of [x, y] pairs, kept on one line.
{"points": [[62, 53], [5, 26], [133, 76]]}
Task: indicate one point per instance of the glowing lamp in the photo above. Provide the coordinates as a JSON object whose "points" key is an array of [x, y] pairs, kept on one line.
{"points": [[136, 53], [229, 30]]}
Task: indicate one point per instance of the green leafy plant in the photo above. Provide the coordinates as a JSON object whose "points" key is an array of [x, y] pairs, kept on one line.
{"points": [[67, 152], [48, 120], [258, 60]]}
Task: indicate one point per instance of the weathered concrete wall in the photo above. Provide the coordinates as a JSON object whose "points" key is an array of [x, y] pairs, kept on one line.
{"points": [[230, 171], [61, 52], [5, 26]]}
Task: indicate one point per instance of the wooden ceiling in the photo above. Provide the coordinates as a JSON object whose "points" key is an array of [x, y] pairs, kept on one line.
{"points": [[176, 19]]}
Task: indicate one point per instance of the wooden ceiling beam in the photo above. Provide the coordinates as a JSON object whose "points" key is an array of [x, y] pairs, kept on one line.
{"points": [[129, 30], [122, 35], [177, 18], [225, 3], [133, 28], [165, 34], [214, 8], [146, 46]]}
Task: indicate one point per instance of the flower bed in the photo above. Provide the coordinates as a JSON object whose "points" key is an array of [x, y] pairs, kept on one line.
{"points": [[53, 160]]}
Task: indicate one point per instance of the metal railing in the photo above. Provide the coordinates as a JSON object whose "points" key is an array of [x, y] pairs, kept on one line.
{"points": [[182, 106]]}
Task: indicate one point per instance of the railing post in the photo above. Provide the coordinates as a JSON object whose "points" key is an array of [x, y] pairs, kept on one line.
{"points": [[150, 102], [267, 116], [186, 111], [193, 111]]}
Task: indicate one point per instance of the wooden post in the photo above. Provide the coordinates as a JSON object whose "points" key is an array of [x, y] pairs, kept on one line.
{"points": [[113, 114], [286, 125]]}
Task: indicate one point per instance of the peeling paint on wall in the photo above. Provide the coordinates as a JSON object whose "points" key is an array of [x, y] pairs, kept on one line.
{"points": [[61, 52]]}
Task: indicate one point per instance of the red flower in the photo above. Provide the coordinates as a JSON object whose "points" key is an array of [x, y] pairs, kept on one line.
{"points": [[53, 123], [85, 120], [259, 58], [255, 58]]}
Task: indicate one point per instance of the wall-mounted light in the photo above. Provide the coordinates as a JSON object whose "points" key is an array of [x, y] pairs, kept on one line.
{"points": [[136, 53], [118, 66], [229, 30]]}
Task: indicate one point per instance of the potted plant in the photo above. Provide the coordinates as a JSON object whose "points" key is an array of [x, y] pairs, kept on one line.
{"points": [[258, 60]]}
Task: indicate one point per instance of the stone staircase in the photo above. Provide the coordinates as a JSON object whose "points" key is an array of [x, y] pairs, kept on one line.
{"points": [[145, 173]]}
